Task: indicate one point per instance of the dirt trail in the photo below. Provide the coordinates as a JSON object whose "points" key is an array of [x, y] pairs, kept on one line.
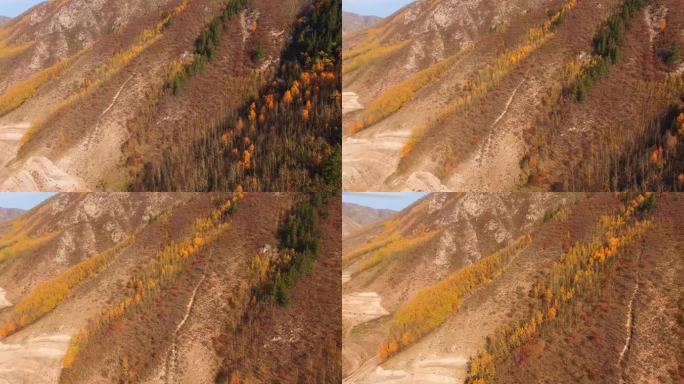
{"points": [[629, 324], [654, 347], [485, 149], [362, 370], [171, 363], [35, 360], [40, 173], [116, 97], [494, 165], [358, 308], [104, 139]]}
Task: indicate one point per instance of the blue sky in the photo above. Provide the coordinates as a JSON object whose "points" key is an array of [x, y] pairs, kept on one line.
{"points": [[23, 200], [14, 8], [395, 201], [381, 8]]}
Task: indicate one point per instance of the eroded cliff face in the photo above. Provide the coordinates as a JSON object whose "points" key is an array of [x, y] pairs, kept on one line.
{"points": [[57, 30]]}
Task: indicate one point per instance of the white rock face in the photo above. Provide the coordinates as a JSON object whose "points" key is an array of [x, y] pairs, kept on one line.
{"points": [[4, 303], [360, 307], [436, 202], [36, 360]]}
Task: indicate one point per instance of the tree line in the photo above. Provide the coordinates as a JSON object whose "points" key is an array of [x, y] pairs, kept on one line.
{"points": [[287, 138]]}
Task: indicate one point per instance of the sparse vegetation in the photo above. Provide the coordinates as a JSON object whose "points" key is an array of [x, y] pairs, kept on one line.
{"points": [[19, 243], [258, 52], [671, 56], [638, 151], [16, 95], [111, 67], [46, 296], [393, 99], [9, 51], [578, 273], [485, 79], [397, 245], [157, 274], [205, 47], [431, 306], [377, 243], [607, 45], [357, 61], [270, 289], [254, 146], [559, 213]]}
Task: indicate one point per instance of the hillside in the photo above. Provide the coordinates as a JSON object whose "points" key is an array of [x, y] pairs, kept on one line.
{"points": [[157, 288], [566, 296], [355, 217], [352, 22], [518, 95], [385, 265], [10, 213], [169, 94], [4, 20]]}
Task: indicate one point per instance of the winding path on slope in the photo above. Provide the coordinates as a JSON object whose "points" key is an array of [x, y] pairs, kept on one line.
{"points": [[494, 165], [41, 173], [629, 326], [171, 361], [655, 324]]}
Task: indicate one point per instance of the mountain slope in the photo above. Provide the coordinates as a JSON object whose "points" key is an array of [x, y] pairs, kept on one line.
{"points": [[4, 20], [130, 84], [386, 266], [352, 22], [161, 285], [355, 217], [10, 213], [501, 99], [627, 325], [561, 291]]}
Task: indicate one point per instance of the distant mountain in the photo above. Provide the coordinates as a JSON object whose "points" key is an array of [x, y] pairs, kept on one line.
{"points": [[10, 213], [355, 216], [4, 20], [352, 22]]}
